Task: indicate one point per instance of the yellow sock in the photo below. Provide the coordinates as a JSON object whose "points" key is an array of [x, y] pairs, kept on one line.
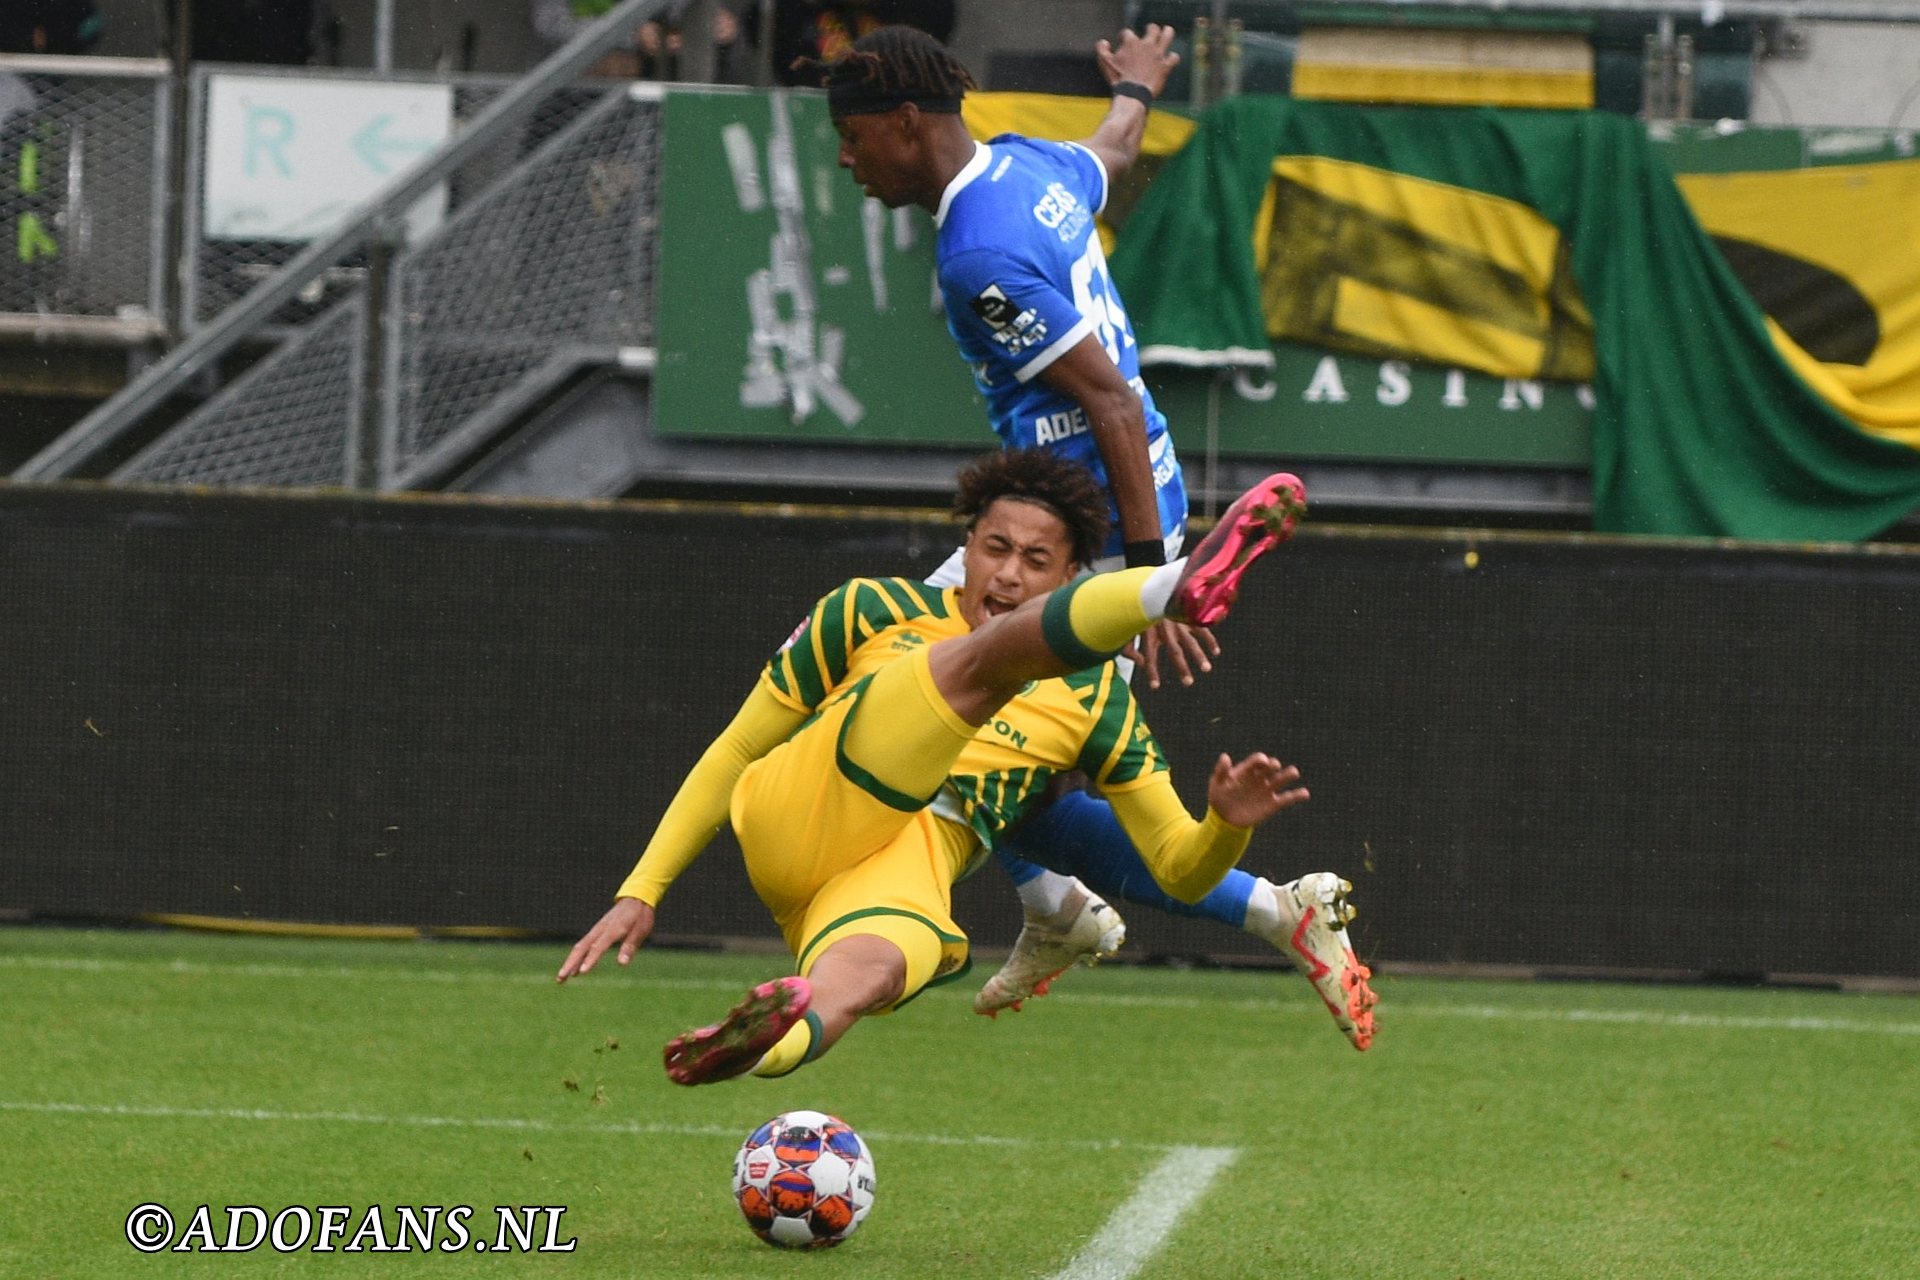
{"points": [[796, 1048], [1088, 621]]}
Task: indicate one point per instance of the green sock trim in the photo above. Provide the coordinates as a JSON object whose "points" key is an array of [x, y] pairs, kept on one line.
{"points": [[1056, 624], [815, 1034]]}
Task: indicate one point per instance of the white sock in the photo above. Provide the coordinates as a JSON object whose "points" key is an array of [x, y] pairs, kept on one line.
{"points": [[1157, 592], [1046, 893], [1263, 913]]}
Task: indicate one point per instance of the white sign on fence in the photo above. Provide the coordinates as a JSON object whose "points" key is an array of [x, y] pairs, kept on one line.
{"points": [[290, 158]]}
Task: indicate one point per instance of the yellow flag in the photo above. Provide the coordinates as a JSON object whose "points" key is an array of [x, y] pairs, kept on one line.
{"points": [[1832, 255]]}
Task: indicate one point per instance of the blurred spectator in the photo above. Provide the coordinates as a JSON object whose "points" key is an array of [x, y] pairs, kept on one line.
{"points": [[34, 150], [48, 26], [825, 29], [655, 51]]}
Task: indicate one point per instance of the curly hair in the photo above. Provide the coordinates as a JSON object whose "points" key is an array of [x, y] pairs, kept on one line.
{"points": [[1047, 479], [892, 64]]}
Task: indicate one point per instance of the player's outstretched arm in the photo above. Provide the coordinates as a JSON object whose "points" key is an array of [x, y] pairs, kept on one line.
{"points": [[1118, 422], [693, 816], [1189, 858], [1146, 60], [1249, 792], [626, 925]]}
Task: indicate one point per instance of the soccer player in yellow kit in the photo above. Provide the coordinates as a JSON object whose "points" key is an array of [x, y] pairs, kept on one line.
{"points": [[904, 725]]}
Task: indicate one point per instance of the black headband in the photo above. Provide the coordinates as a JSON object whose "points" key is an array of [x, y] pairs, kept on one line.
{"points": [[862, 98]]}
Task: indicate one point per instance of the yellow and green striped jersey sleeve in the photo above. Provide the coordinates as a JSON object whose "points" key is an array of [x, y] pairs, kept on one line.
{"points": [[990, 802], [1120, 749], [819, 655]]}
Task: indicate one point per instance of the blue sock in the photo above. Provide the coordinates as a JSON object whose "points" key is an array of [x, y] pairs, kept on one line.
{"points": [[1018, 869], [1078, 835]]}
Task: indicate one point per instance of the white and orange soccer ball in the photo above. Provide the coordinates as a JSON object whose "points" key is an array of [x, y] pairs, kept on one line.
{"points": [[803, 1180]]}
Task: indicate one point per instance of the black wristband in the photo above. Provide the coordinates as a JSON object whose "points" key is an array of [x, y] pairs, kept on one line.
{"points": [[1135, 90], [1150, 554]]}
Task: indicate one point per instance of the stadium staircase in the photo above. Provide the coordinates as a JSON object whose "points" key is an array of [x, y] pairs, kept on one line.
{"points": [[505, 350]]}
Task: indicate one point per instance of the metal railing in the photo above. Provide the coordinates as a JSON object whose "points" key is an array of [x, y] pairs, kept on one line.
{"points": [[395, 358], [329, 389], [438, 344]]}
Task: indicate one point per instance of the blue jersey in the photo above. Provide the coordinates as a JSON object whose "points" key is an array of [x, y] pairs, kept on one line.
{"points": [[1024, 280]]}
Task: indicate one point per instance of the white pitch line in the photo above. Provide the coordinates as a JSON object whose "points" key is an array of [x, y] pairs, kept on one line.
{"points": [[197, 968], [640, 978], [517, 1124], [1645, 1017], [1396, 1009], [1139, 1227]]}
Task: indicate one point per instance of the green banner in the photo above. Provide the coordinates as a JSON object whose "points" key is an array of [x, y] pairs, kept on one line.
{"points": [[1469, 230], [790, 308]]}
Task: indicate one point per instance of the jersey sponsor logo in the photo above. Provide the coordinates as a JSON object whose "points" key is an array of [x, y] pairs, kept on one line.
{"points": [[1002, 729], [1050, 428], [1014, 327], [1061, 212], [995, 307], [1028, 331], [1163, 471]]}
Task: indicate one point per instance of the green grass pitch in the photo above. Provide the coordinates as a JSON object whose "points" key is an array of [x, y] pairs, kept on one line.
{"points": [[1496, 1129]]}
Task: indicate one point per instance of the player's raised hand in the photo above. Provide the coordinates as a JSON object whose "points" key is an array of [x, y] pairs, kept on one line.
{"points": [[1188, 649], [627, 922], [1144, 59], [1248, 793]]}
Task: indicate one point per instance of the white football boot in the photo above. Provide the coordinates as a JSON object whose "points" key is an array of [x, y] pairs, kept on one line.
{"points": [[1314, 913], [1085, 931]]}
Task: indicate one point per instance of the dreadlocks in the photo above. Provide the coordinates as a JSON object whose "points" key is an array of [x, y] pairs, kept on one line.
{"points": [[889, 67], [1046, 479]]}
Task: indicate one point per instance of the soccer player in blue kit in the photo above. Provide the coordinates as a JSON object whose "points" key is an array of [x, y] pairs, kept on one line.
{"points": [[1035, 314]]}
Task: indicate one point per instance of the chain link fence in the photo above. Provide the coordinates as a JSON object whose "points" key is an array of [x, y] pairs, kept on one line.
{"points": [[291, 420], [83, 190], [567, 247], [544, 259], [221, 267]]}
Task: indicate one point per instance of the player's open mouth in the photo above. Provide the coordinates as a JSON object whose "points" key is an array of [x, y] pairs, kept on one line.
{"points": [[994, 608]]}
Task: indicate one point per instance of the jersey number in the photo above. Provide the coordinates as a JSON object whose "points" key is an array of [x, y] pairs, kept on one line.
{"points": [[1094, 295]]}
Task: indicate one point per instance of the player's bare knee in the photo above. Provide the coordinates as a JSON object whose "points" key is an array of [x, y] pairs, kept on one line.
{"points": [[859, 974]]}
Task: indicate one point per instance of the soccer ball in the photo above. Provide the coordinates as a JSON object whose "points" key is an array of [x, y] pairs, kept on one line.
{"points": [[803, 1180]]}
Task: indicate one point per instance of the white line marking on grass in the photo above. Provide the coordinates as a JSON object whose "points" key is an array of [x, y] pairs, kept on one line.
{"points": [[83, 964], [1646, 1017], [1495, 1013], [1138, 1227], [640, 978], [516, 1124]]}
